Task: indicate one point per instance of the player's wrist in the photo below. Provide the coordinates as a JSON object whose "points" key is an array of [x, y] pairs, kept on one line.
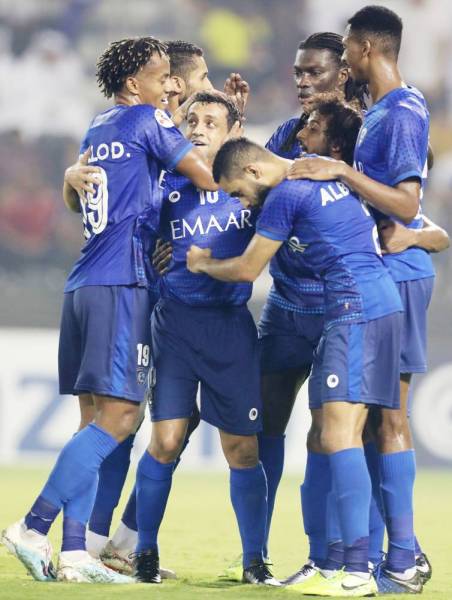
{"points": [[343, 171]]}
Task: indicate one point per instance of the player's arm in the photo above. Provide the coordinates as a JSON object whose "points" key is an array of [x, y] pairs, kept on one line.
{"points": [[244, 268], [395, 237], [79, 178], [193, 166], [400, 201]]}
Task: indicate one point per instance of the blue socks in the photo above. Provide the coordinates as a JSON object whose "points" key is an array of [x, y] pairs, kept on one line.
{"points": [[74, 535], [398, 472], [314, 493], [335, 552], [112, 475], [352, 485], [73, 479], [152, 490], [129, 516], [376, 516], [271, 455], [248, 488]]}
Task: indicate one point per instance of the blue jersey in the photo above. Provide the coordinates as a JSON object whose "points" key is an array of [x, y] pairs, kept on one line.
{"points": [[209, 220], [332, 233], [295, 287], [277, 141], [130, 144], [392, 146]]}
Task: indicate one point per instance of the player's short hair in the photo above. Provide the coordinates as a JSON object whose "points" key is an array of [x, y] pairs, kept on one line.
{"points": [[379, 22], [216, 97], [233, 155], [343, 121], [182, 55], [123, 59], [326, 40]]}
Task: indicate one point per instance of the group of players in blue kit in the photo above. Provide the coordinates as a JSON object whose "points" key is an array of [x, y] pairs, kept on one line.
{"points": [[359, 318]]}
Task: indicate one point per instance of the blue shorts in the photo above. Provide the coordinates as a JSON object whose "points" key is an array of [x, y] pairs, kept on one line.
{"points": [[415, 297], [104, 341], [358, 362], [213, 347], [287, 339]]}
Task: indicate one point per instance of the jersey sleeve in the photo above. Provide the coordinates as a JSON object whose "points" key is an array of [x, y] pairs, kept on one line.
{"points": [[276, 140], [281, 208], [161, 138], [406, 137]]}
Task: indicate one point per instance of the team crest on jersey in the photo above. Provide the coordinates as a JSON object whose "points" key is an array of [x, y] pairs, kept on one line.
{"points": [[162, 118], [332, 380], [141, 376]]}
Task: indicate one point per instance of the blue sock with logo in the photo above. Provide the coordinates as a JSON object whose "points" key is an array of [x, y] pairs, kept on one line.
{"points": [[271, 455], [153, 486], [112, 475], [314, 493], [376, 515], [352, 484], [73, 478], [248, 488], [398, 471]]}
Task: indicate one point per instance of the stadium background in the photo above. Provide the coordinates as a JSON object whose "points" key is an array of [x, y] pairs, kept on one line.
{"points": [[48, 95]]}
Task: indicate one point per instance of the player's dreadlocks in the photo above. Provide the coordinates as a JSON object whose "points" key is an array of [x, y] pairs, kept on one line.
{"points": [[123, 59], [181, 57], [332, 42]]}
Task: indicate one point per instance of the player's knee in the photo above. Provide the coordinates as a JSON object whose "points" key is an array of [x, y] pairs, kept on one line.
{"points": [[314, 438], [394, 425], [242, 452], [166, 446]]}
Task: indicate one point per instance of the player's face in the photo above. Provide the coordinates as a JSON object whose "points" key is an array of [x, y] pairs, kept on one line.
{"points": [[315, 71], [250, 192], [198, 80], [313, 137], [207, 127], [154, 82], [353, 56]]}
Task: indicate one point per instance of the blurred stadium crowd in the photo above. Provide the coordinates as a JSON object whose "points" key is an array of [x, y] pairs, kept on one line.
{"points": [[48, 50]]}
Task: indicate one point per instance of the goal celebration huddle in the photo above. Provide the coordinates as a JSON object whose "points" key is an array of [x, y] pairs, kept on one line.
{"points": [[181, 213]]}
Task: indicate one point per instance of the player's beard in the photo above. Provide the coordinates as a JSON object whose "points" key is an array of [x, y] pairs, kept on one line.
{"points": [[261, 193]]}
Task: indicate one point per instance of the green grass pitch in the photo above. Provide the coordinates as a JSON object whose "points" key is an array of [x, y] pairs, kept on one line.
{"points": [[199, 538]]}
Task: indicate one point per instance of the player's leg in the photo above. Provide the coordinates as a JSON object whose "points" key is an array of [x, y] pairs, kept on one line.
{"points": [[397, 460], [87, 410], [248, 489], [279, 391], [112, 476], [172, 394], [287, 342]]}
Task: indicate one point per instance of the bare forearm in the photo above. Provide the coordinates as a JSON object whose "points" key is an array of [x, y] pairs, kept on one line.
{"points": [[389, 200], [71, 198], [431, 238], [230, 269], [195, 168]]}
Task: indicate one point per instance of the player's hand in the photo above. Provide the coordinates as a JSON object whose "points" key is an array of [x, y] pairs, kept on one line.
{"points": [[81, 176], [394, 237], [161, 256], [238, 89], [318, 169], [195, 258]]}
